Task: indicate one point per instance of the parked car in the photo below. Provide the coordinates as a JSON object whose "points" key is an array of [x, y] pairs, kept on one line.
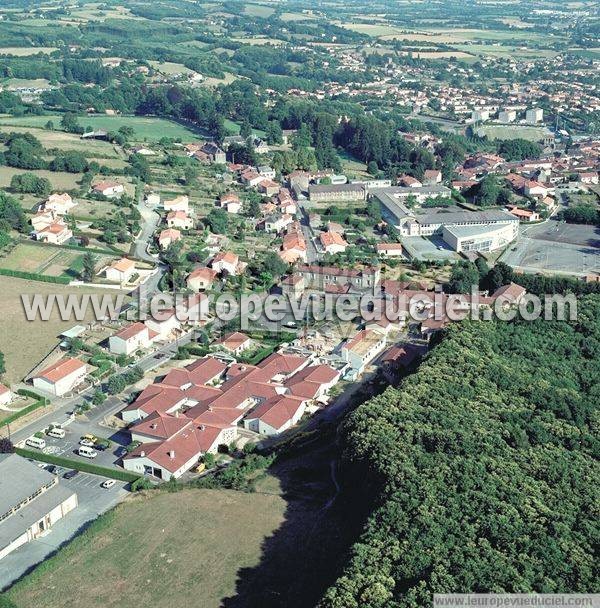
{"points": [[71, 474], [87, 452], [36, 442], [109, 483], [87, 443]]}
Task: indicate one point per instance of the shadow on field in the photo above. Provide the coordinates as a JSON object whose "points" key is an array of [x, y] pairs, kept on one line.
{"points": [[307, 553]]}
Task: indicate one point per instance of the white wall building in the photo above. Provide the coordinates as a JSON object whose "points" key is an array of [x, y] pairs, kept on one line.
{"points": [[62, 377], [31, 502]]}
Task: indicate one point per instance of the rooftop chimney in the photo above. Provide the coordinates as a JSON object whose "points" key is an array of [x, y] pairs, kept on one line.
{"points": [[142, 454], [172, 454]]}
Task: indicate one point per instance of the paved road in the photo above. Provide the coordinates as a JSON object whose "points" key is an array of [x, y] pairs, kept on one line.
{"points": [[312, 255], [62, 408]]}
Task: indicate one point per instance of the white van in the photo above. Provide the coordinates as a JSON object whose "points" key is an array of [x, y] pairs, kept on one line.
{"points": [[57, 432], [87, 452], [36, 442]]}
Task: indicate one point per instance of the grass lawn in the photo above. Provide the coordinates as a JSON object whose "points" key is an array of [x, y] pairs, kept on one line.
{"points": [[234, 128], [146, 128], [26, 343], [158, 550]]}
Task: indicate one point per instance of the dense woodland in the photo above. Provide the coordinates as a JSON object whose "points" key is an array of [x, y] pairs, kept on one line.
{"points": [[484, 468]]}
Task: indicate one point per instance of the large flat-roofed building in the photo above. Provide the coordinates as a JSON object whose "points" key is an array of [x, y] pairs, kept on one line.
{"points": [[31, 502], [336, 192], [410, 223], [479, 238]]}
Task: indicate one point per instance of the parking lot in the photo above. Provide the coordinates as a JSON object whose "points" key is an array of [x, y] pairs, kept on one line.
{"points": [[556, 247], [93, 500], [69, 445]]}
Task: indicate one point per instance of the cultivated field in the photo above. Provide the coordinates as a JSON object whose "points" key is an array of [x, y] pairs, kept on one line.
{"points": [[25, 343], [159, 550]]}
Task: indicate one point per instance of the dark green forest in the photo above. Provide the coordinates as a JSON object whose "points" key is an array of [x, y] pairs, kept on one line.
{"points": [[483, 468]]}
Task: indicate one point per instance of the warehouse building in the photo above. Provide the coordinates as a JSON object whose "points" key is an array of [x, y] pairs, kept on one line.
{"points": [[31, 502]]}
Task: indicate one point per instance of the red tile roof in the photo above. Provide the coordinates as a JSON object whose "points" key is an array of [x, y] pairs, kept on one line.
{"points": [[61, 370]]}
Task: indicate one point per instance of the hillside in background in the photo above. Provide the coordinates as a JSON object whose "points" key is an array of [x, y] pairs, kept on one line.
{"points": [[485, 467]]}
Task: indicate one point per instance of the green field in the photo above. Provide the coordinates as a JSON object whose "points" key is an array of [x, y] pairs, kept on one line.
{"points": [[146, 129], [59, 179], [512, 132], [24, 51], [158, 550]]}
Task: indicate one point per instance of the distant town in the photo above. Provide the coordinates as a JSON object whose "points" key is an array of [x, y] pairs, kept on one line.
{"points": [[302, 150]]}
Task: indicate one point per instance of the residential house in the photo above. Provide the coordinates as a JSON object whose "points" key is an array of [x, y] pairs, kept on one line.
{"points": [[120, 271], [275, 415], [109, 189], [268, 187], [164, 325], [179, 203], [277, 223], [524, 215], [179, 219], [227, 262], [130, 339], [6, 395], [60, 204], [212, 151], [230, 202], [235, 343], [251, 178], [332, 242], [56, 233], [293, 286], [62, 377], [362, 349], [168, 236], [267, 172], [390, 250], [293, 248], [432, 177], [201, 279]]}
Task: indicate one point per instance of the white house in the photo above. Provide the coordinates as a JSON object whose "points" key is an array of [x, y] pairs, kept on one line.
{"points": [[61, 204], [168, 236], [362, 349], [179, 219], [390, 250], [109, 189], [333, 242], [226, 261], [56, 233], [62, 377], [235, 342], [179, 203], [120, 271], [164, 325], [275, 415], [201, 278], [130, 339]]}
